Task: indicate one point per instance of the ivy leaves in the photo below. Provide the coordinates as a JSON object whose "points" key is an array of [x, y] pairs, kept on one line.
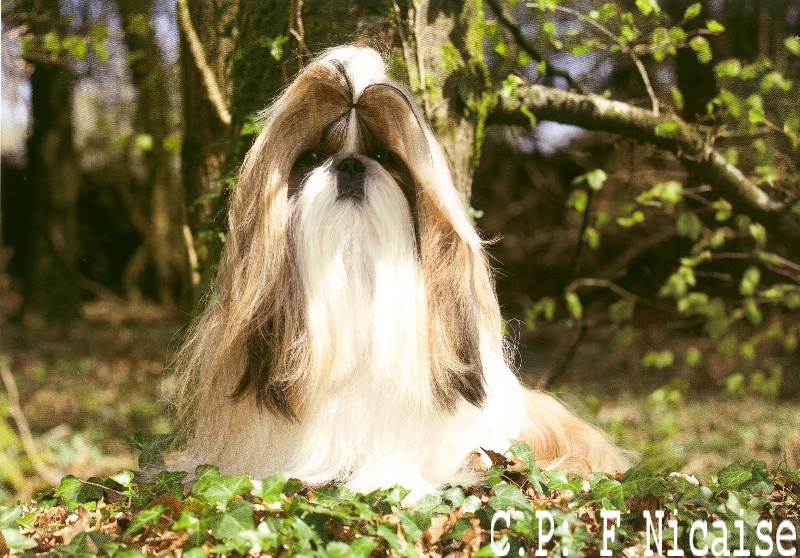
{"points": [[236, 514]]}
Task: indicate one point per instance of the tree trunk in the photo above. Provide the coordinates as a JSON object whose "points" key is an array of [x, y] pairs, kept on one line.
{"points": [[158, 192], [53, 181]]}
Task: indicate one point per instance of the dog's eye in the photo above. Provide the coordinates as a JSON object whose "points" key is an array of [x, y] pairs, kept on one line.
{"points": [[310, 158], [382, 156]]}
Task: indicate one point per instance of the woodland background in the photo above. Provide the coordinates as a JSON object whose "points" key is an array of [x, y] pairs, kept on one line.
{"points": [[647, 257]]}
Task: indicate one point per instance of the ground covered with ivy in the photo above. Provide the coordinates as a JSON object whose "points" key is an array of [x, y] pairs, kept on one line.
{"points": [[121, 515]]}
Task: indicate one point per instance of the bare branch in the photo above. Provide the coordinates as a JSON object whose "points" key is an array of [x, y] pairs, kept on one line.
{"points": [[199, 55]]}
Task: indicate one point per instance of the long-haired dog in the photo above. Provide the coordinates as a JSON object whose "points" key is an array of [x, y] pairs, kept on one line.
{"points": [[355, 334]]}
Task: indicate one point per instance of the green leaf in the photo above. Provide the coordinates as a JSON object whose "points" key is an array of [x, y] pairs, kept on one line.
{"points": [[714, 26], [387, 531], [693, 357], [792, 44], [125, 478], [755, 113], [74, 492], [648, 7], [362, 547], [101, 50], [621, 311], [237, 517], [693, 303], [677, 97], [414, 524], [751, 311], [595, 179], [143, 142], [172, 142], [732, 156], [75, 47], [728, 68], [692, 11], [9, 515], [187, 521], [658, 359], [667, 193], [276, 46], [666, 129], [591, 237], [628, 222], [611, 491], [574, 305], [561, 481], [214, 489], [750, 281], [759, 233], [688, 225], [140, 25], [509, 87], [523, 452], [454, 495], [702, 48], [774, 80], [578, 200], [508, 496], [733, 476], [723, 210], [15, 540], [52, 42], [145, 517], [271, 488]]}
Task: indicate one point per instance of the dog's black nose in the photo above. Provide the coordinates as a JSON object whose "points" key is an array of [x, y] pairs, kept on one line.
{"points": [[350, 166], [350, 179]]}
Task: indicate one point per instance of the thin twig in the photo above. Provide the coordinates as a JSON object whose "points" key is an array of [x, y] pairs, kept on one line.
{"points": [[297, 29], [199, 55], [560, 361], [611, 286], [96, 485], [50, 475], [529, 49], [576, 255]]}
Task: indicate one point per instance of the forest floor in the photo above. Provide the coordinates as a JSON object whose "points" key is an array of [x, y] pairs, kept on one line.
{"points": [[86, 396]]}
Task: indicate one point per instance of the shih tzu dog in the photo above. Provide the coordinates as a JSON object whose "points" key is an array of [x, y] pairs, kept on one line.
{"points": [[355, 335]]}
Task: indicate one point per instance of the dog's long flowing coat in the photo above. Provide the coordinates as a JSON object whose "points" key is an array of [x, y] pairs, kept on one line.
{"points": [[356, 335]]}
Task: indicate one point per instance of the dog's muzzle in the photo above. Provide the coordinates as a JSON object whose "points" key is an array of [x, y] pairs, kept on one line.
{"points": [[350, 179]]}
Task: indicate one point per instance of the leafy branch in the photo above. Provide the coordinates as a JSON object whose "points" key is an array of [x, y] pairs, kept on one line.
{"points": [[667, 131]]}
